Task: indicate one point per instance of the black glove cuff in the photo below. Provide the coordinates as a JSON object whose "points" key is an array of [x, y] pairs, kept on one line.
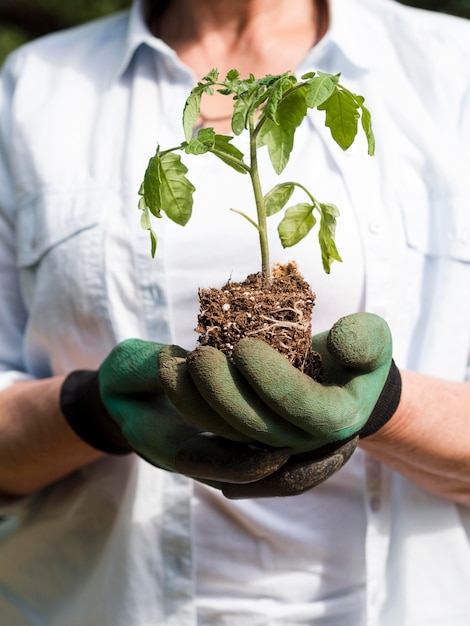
{"points": [[82, 407], [386, 405]]}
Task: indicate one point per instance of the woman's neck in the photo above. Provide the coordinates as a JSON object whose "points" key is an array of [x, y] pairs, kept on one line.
{"points": [[255, 36]]}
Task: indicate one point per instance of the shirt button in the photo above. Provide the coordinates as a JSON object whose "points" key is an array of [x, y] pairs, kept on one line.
{"points": [[375, 228], [375, 503]]}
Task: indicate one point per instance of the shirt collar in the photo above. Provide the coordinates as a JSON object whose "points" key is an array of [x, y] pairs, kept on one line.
{"points": [[138, 33], [343, 44], [346, 19]]}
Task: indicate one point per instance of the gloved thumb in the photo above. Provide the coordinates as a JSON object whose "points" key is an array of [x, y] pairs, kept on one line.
{"points": [[360, 340]]}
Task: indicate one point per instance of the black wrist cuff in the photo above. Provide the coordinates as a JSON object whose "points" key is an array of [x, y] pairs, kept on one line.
{"points": [[82, 407], [386, 405]]}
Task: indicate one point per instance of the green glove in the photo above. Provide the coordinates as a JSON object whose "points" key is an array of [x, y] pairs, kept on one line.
{"points": [[122, 407], [264, 397]]}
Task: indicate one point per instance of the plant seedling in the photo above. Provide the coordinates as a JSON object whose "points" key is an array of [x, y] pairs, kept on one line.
{"points": [[270, 109]]}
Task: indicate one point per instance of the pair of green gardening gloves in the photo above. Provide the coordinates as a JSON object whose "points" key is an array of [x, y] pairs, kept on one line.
{"points": [[252, 427]]}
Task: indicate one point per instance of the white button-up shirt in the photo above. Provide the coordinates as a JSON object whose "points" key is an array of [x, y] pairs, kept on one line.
{"points": [[80, 114]]}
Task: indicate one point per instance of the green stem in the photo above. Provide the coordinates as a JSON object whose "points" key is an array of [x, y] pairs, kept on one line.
{"points": [[252, 222], [314, 201], [230, 159], [260, 206]]}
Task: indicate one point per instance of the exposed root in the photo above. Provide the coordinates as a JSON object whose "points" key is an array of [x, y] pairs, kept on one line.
{"points": [[279, 313]]}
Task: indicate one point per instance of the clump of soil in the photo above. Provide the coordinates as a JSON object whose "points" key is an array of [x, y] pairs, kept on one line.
{"points": [[278, 312]]}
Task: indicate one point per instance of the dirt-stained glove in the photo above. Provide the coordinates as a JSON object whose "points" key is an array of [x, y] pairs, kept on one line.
{"points": [[122, 407], [264, 397]]}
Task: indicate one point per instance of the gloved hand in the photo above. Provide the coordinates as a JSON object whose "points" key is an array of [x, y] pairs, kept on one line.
{"points": [[264, 397], [122, 407]]}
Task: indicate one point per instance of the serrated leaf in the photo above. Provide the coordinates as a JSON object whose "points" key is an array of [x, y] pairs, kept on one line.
{"points": [[292, 109], [146, 224], [254, 100], [202, 143], [192, 111], [274, 95], [227, 152], [342, 116], [233, 75], [275, 89], [277, 198], [151, 186], [297, 222], [320, 89], [280, 142], [212, 76], [366, 122], [326, 235], [240, 109], [176, 191]]}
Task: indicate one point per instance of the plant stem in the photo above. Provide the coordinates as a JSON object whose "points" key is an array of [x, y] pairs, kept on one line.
{"points": [[260, 206], [230, 159]]}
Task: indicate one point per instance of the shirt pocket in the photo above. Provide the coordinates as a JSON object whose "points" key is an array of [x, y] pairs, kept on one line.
{"points": [[61, 262], [49, 220], [437, 231]]}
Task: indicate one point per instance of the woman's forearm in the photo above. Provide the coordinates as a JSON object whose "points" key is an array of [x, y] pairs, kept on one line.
{"points": [[37, 446], [428, 438]]}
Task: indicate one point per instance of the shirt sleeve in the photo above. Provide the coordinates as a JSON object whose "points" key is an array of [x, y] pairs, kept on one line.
{"points": [[12, 311], [464, 132]]}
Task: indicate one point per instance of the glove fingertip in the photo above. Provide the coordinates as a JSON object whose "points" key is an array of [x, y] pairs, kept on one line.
{"points": [[297, 476], [212, 457], [360, 340]]}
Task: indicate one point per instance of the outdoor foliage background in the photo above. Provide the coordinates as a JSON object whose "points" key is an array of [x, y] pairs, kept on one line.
{"points": [[22, 20]]}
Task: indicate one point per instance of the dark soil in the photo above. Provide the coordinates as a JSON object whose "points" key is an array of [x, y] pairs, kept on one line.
{"points": [[278, 312]]}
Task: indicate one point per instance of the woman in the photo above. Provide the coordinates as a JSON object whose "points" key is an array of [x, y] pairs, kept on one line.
{"points": [[95, 538]]}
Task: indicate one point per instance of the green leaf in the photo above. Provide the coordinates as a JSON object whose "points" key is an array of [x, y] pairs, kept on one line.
{"points": [[274, 96], [192, 111], [151, 187], [240, 109], [146, 224], [212, 76], [254, 99], [276, 88], [176, 191], [326, 235], [366, 122], [277, 198], [320, 89], [228, 153], [342, 116], [202, 143], [280, 142], [292, 109], [297, 222], [233, 75]]}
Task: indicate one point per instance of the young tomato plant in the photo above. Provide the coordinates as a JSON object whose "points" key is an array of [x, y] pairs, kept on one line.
{"points": [[270, 109]]}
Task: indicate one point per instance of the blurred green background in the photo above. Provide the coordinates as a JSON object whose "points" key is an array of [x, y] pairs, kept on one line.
{"points": [[22, 20]]}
